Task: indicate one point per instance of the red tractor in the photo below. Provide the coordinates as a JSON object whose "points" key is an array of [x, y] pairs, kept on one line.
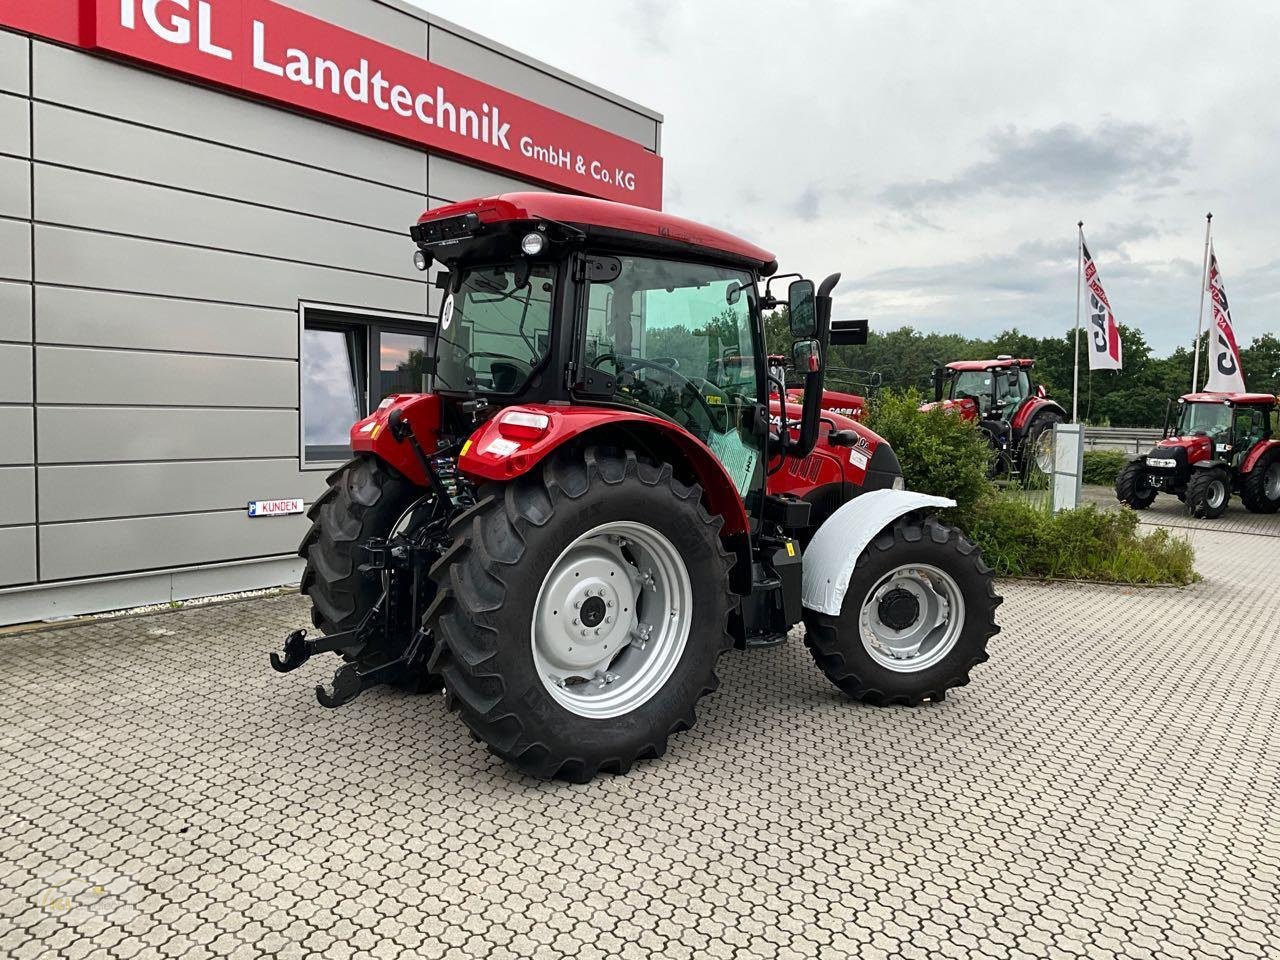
{"points": [[1220, 442], [998, 394], [594, 502]]}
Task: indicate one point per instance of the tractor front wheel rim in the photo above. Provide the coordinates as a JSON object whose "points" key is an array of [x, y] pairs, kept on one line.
{"points": [[1217, 494], [612, 620], [912, 618]]}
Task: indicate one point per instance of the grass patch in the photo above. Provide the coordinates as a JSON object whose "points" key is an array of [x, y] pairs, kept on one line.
{"points": [[1021, 537], [1101, 467]]}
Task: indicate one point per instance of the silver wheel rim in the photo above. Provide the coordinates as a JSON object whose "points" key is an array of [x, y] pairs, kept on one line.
{"points": [[930, 635], [1271, 482], [612, 620], [1217, 494], [1042, 455]]}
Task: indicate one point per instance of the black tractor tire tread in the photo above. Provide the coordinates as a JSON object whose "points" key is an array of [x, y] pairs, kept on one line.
{"points": [[1127, 487], [830, 653], [491, 539], [1197, 491], [340, 594], [1252, 492]]}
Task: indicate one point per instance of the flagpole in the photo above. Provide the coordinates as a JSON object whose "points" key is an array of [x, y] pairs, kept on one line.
{"points": [[1204, 283], [1075, 382]]}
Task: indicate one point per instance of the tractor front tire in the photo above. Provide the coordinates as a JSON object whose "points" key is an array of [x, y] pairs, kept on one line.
{"points": [[552, 612], [1133, 487], [914, 574], [1260, 487], [1208, 493]]}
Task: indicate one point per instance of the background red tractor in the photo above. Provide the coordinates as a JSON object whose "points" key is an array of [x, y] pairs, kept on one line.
{"points": [[1220, 443], [1016, 416], [599, 496]]}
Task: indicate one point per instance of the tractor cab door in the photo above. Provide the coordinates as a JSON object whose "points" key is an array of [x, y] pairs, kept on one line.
{"points": [[677, 340], [1249, 426], [1010, 389]]}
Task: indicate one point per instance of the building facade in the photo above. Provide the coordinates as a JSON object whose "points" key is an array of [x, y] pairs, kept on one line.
{"points": [[205, 275]]}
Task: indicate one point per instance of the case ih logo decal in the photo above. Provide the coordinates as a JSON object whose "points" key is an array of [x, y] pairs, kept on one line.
{"points": [[280, 54]]}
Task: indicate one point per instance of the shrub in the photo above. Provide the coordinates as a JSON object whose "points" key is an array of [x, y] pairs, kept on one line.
{"points": [[940, 453], [1019, 537], [1101, 467]]}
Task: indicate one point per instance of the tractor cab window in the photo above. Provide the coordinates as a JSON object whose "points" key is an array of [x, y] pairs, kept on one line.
{"points": [[678, 339], [1211, 419], [975, 384], [1010, 391], [1250, 427], [495, 329]]}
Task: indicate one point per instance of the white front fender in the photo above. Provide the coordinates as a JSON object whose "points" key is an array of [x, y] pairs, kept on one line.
{"points": [[834, 550]]}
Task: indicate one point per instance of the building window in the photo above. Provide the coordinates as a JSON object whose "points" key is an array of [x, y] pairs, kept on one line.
{"points": [[349, 363]]}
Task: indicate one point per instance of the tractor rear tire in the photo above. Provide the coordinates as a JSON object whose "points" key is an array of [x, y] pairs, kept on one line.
{"points": [[510, 563], [365, 499], [1133, 488], [1208, 493], [1260, 487], [849, 648]]}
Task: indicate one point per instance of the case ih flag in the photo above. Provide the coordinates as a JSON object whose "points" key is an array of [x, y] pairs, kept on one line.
{"points": [[1105, 351], [1225, 375]]}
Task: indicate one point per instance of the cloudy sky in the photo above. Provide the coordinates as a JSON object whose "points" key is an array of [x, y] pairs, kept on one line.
{"points": [[939, 154]]}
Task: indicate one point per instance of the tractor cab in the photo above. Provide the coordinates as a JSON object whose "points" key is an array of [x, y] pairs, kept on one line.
{"points": [[608, 484], [1217, 444]]}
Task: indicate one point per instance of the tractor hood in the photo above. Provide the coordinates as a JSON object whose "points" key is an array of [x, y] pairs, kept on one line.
{"points": [[966, 407], [1192, 449]]}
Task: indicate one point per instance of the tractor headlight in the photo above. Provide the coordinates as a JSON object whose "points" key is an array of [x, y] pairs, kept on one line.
{"points": [[533, 244], [420, 260]]}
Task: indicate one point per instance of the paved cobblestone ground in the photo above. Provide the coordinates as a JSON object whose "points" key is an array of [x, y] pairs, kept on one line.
{"points": [[1107, 786]]}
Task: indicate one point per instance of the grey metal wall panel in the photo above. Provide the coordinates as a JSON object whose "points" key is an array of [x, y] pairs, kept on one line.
{"points": [[17, 495], [95, 318], [14, 62], [15, 311], [99, 491], [82, 258], [70, 550], [98, 434], [15, 373], [116, 90], [74, 198], [17, 431], [15, 250], [15, 187], [389, 26], [141, 153], [15, 125], [458, 53], [122, 377], [17, 555], [453, 181]]}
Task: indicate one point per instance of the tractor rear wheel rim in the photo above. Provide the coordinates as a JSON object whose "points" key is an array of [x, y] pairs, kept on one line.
{"points": [[612, 620], [931, 634], [1271, 482], [1042, 455]]}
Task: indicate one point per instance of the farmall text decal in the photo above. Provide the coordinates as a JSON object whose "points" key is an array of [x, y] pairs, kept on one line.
{"points": [[278, 52]]}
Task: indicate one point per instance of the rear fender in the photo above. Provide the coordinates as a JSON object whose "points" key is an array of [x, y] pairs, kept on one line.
{"points": [[834, 550], [502, 451], [421, 411], [1254, 455], [1032, 409]]}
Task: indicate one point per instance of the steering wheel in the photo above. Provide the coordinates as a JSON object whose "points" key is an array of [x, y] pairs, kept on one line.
{"points": [[622, 363]]}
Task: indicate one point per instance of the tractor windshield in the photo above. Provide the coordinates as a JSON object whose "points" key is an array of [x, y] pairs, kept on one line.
{"points": [[1211, 419], [495, 329], [678, 338]]}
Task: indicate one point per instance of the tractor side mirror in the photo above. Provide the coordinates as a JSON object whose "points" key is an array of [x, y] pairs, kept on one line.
{"points": [[806, 356], [802, 309], [939, 382]]}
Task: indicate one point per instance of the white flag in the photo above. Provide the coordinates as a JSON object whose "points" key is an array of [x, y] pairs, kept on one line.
{"points": [[1225, 375], [1105, 349]]}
